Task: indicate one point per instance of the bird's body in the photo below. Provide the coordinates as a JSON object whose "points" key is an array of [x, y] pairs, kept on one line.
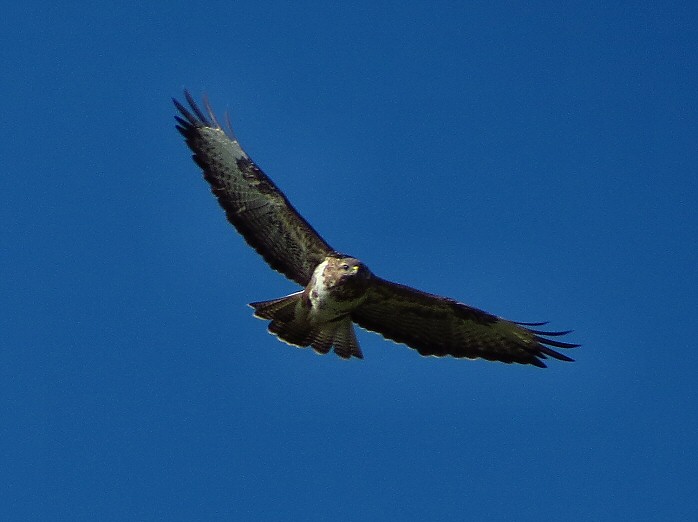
{"points": [[339, 290], [320, 315]]}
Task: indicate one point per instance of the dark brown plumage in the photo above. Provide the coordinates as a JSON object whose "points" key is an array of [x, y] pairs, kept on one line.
{"points": [[338, 289]]}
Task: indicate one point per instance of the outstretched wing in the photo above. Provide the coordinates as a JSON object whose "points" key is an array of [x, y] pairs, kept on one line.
{"points": [[439, 326], [252, 202]]}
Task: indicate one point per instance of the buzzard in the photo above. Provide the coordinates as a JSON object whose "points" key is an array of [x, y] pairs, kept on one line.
{"points": [[338, 289]]}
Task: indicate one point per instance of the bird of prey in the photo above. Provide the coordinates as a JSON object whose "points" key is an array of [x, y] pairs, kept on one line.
{"points": [[337, 289]]}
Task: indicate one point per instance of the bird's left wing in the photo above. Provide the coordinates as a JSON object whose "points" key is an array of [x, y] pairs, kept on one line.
{"points": [[439, 326], [252, 202]]}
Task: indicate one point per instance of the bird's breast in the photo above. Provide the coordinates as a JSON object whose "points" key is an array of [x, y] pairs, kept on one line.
{"points": [[331, 296]]}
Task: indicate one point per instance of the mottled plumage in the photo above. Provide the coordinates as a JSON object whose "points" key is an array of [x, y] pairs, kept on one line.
{"points": [[339, 290]]}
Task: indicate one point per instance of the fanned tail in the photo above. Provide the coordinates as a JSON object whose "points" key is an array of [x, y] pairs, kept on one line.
{"points": [[290, 322]]}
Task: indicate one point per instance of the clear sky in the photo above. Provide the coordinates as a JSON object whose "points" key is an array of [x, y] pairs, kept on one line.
{"points": [[537, 161]]}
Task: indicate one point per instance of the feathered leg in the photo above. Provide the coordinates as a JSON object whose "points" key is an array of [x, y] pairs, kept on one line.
{"points": [[291, 322]]}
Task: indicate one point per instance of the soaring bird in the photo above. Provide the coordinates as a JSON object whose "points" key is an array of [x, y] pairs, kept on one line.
{"points": [[338, 289]]}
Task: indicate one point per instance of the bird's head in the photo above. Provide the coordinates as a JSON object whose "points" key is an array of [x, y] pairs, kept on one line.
{"points": [[351, 268], [348, 270]]}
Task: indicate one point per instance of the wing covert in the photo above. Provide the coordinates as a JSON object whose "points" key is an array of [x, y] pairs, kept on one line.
{"points": [[252, 202], [439, 326]]}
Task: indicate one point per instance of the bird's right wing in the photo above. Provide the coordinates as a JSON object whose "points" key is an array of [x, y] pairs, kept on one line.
{"points": [[439, 326], [252, 202]]}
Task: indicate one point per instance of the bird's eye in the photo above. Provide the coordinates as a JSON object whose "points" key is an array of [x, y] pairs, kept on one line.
{"points": [[345, 267]]}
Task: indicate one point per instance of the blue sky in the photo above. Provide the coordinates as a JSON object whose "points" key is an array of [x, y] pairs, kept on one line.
{"points": [[537, 161]]}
